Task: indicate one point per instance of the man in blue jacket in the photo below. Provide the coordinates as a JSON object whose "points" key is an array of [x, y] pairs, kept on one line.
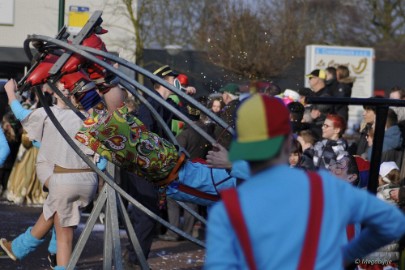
{"points": [[279, 205]]}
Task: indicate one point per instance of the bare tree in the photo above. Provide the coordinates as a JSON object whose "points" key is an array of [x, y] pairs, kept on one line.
{"points": [[371, 23], [385, 28], [158, 23], [172, 22], [260, 39], [256, 43]]}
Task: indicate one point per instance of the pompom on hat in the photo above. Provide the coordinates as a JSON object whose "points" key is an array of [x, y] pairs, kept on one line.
{"points": [[183, 79], [262, 123], [289, 96], [386, 168]]}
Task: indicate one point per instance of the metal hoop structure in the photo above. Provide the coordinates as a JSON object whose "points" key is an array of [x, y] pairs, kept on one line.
{"points": [[111, 194]]}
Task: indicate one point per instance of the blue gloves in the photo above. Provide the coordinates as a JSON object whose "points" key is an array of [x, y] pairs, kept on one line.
{"points": [[102, 163]]}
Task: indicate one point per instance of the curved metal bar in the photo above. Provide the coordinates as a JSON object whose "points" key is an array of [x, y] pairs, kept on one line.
{"points": [[192, 212], [137, 95], [128, 79], [135, 242], [156, 115], [149, 74], [357, 101], [148, 105], [61, 35], [131, 234], [108, 179], [66, 101], [27, 49], [126, 85]]}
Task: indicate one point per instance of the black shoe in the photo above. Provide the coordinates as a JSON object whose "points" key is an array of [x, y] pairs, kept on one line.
{"points": [[166, 237], [52, 260]]}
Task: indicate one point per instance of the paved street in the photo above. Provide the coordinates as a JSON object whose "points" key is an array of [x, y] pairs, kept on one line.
{"points": [[164, 255]]}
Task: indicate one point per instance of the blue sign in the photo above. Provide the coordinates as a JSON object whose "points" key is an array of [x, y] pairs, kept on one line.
{"points": [[344, 52], [79, 9]]}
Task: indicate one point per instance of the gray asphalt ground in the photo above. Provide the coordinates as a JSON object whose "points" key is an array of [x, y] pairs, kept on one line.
{"points": [[16, 219]]}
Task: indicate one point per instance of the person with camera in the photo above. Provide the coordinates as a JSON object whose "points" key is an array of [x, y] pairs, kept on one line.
{"points": [[388, 180]]}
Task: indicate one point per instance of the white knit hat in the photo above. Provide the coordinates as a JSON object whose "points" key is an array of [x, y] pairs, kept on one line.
{"points": [[386, 168], [291, 94]]}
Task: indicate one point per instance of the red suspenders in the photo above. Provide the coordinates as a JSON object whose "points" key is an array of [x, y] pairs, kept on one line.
{"points": [[197, 193], [311, 241], [350, 232], [232, 206], [310, 247]]}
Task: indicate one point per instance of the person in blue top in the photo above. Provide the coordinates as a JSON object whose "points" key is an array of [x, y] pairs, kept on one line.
{"points": [[4, 148], [275, 205], [71, 184]]}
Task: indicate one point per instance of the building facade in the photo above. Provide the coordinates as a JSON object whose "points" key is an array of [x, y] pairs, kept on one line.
{"points": [[41, 17]]}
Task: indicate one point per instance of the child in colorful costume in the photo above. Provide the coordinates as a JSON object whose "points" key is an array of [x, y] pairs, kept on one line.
{"points": [[120, 137], [71, 183]]}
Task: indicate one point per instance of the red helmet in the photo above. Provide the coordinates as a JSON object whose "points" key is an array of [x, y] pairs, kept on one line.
{"points": [[183, 79]]}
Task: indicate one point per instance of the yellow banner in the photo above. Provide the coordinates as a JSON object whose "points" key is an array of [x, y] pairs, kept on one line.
{"points": [[78, 17]]}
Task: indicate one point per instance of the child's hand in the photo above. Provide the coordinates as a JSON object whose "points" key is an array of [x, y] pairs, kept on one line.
{"points": [[190, 90], [10, 86], [7, 126], [218, 157]]}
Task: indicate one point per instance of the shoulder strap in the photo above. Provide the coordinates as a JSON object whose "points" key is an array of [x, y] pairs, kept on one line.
{"points": [[311, 241], [233, 208], [197, 193], [350, 232]]}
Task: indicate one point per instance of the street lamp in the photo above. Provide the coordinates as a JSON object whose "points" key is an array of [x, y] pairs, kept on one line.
{"points": [[61, 18]]}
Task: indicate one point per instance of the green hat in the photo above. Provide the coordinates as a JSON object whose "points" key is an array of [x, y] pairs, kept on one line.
{"points": [[231, 88]]}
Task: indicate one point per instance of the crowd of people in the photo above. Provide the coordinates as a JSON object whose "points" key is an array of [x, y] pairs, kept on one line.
{"points": [[282, 146]]}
